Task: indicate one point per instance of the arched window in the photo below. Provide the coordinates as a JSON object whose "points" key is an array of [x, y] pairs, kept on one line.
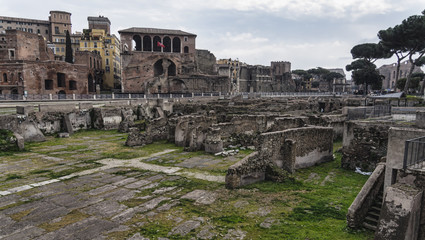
{"points": [[176, 45], [156, 46], [167, 44], [4, 77], [186, 49], [147, 44], [172, 69], [92, 87], [137, 43]]}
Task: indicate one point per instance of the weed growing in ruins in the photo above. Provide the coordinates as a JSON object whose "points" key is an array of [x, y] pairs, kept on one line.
{"points": [[13, 176]]}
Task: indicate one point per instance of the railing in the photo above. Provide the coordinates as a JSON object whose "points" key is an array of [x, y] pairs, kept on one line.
{"points": [[414, 153], [381, 110], [59, 97]]}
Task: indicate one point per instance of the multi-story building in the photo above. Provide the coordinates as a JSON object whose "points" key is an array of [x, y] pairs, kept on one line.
{"points": [[27, 25], [166, 61], [257, 78], [28, 66], [230, 68], [389, 73], [53, 30], [98, 39]]}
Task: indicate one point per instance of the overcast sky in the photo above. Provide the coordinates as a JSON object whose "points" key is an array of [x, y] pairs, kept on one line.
{"points": [[308, 33]]}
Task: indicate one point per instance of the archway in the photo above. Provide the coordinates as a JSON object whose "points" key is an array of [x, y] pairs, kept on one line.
{"points": [[172, 69], [186, 49], [178, 86], [137, 43], [176, 45], [167, 44], [14, 91], [92, 87], [156, 46], [147, 44], [157, 68], [62, 94]]}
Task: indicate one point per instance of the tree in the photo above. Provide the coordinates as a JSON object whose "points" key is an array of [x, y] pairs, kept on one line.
{"points": [[393, 40], [413, 84], [414, 30], [305, 77], [330, 78], [68, 50], [364, 71], [419, 63], [319, 72], [370, 52]]}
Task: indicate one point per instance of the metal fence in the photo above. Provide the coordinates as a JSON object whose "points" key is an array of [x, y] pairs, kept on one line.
{"points": [[381, 110], [59, 97], [414, 153]]}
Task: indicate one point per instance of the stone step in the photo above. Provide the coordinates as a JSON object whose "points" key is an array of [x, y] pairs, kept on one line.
{"points": [[371, 220], [369, 226], [374, 214], [376, 208]]}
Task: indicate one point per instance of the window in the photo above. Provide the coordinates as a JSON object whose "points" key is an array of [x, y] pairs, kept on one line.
{"points": [[11, 54], [4, 77], [95, 44], [62, 40], [85, 44], [47, 31], [107, 52], [48, 84], [107, 62], [72, 85], [57, 49], [61, 79], [38, 30], [62, 49], [185, 39]]}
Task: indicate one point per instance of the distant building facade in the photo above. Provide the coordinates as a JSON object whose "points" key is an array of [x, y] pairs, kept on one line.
{"points": [[257, 78], [53, 30], [389, 72], [98, 39], [166, 61], [28, 66]]}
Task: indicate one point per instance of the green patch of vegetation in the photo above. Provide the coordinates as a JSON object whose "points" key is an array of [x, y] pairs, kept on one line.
{"points": [[318, 211], [232, 219], [40, 171], [125, 152], [130, 170], [13, 176]]}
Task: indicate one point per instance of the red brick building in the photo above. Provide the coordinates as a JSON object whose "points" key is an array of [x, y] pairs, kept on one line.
{"points": [[27, 66]]}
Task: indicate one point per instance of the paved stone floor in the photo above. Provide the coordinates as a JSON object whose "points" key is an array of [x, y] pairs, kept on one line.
{"points": [[111, 200], [91, 186]]}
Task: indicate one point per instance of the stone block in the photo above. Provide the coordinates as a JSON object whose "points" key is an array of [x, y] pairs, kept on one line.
{"points": [[63, 135], [400, 214], [56, 108], [249, 170], [420, 119], [24, 110], [20, 141], [85, 106], [67, 126]]}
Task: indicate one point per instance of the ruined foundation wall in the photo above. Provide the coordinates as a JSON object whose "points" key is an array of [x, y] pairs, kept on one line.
{"points": [[364, 144], [312, 146]]}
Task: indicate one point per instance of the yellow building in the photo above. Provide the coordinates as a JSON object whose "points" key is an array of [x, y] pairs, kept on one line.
{"points": [[96, 40]]}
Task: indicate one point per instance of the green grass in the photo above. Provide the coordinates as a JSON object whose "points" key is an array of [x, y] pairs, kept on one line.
{"points": [[13, 176]]}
